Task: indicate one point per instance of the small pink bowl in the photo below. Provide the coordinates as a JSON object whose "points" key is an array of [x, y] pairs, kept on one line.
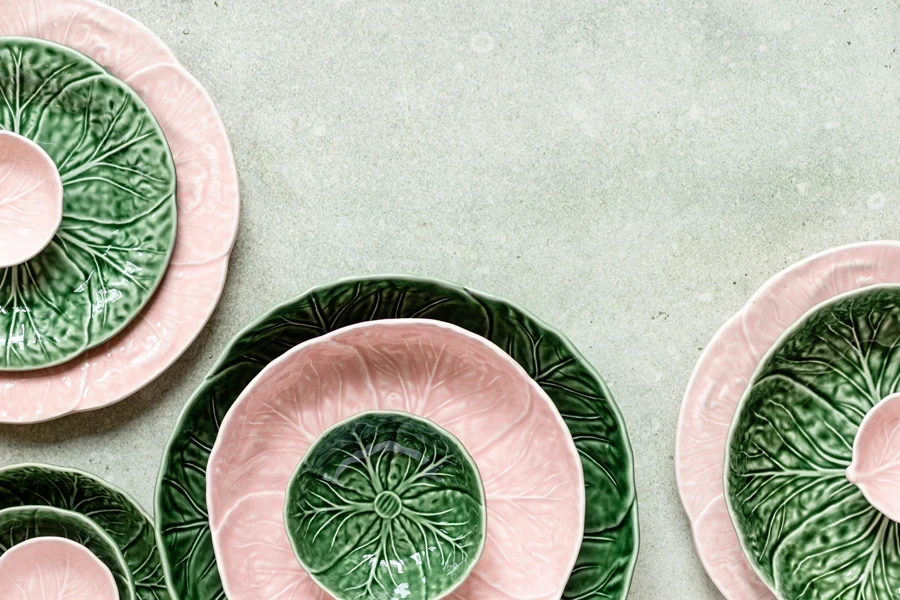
{"points": [[31, 199], [51, 567]]}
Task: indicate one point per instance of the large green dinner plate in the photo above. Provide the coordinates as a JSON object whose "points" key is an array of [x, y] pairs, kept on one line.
{"points": [[604, 567], [119, 208], [117, 515]]}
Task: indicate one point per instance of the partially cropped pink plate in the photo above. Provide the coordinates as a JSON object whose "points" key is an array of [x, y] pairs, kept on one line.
{"points": [[721, 377], [208, 207], [532, 476], [50, 568]]}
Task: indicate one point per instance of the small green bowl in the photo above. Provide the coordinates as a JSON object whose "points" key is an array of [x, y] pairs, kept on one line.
{"points": [[386, 505]]}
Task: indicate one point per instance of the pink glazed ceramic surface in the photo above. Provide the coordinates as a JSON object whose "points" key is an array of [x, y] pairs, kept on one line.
{"points": [[875, 469], [528, 462], [49, 568], [31, 199], [208, 210], [720, 379]]}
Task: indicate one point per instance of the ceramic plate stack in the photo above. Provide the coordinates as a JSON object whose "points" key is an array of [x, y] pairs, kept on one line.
{"points": [[398, 438], [67, 534], [118, 208], [788, 452]]}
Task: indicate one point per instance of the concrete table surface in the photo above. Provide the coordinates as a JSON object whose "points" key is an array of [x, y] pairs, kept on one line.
{"points": [[629, 171]]}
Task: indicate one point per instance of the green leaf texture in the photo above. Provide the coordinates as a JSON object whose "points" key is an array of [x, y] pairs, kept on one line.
{"points": [[119, 207], [808, 531], [609, 550], [26, 522], [112, 511], [386, 489]]}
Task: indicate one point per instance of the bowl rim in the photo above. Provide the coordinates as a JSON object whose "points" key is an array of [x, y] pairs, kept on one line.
{"points": [[106, 572]]}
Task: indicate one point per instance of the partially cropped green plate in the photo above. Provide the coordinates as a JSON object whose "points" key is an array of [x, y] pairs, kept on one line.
{"points": [[380, 485], [604, 567], [806, 529], [114, 513], [23, 523], [119, 209]]}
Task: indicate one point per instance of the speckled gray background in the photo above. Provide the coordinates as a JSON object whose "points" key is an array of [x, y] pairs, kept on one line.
{"points": [[630, 171]]}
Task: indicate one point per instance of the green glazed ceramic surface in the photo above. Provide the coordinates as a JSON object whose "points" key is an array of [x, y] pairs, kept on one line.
{"points": [[379, 488], [119, 208], [606, 562], [117, 515], [806, 529], [26, 522]]}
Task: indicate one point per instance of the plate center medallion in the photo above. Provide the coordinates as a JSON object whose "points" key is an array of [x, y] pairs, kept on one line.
{"points": [[388, 505]]}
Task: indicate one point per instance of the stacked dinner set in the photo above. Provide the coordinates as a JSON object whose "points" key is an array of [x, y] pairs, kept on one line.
{"points": [[394, 437], [118, 208], [118, 211], [386, 438], [788, 451], [377, 438]]}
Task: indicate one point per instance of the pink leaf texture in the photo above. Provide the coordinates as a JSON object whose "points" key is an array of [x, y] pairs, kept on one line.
{"points": [[875, 468], [48, 568], [30, 199]]}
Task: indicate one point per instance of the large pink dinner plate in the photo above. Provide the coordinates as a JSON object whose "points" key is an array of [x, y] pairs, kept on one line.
{"points": [[51, 568], [720, 379], [208, 210], [530, 468]]}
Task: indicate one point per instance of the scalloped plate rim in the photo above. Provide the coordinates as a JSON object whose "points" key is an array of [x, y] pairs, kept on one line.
{"points": [[614, 407], [83, 473], [288, 357], [754, 298], [218, 292], [97, 480]]}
